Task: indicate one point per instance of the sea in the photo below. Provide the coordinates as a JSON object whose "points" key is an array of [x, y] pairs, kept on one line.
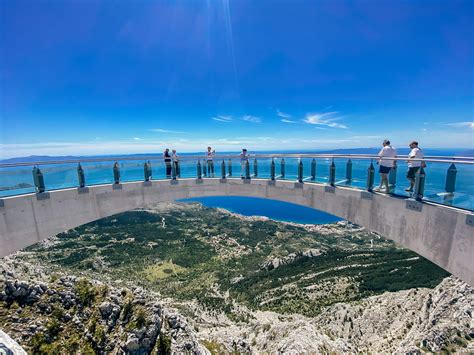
{"points": [[19, 179], [276, 210]]}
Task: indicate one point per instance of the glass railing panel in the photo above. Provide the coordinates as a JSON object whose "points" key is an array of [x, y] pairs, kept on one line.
{"points": [[16, 181], [59, 176], [97, 173], [131, 170]]}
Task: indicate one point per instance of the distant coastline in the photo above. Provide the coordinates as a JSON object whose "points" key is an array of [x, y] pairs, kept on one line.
{"points": [[373, 150]]}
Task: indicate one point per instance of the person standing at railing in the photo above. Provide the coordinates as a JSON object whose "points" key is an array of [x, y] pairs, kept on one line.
{"points": [[386, 164], [175, 160], [244, 157], [414, 165], [167, 158], [210, 161]]}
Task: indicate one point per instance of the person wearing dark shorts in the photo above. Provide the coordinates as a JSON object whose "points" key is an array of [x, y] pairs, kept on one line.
{"points": [[411, 174], [386, 163], [384, 169], [167, 159], [414, 163]]}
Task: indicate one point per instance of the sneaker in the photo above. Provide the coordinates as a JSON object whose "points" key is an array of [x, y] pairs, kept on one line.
{"points": [[408, 189], [377, 189]]}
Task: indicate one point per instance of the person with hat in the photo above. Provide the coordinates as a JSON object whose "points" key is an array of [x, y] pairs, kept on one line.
{"points": [[244, 157], [386, 163], [210, 161], [414, 163]]}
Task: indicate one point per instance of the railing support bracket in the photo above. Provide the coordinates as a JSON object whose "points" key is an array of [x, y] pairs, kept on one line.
{"points": [[223, 181], [146, 183], [246, 181], [82, 190], [174, 182], [117, 186], [330, 189], [42, 196], [298, 185], [365, 195], [470, 220], [271, 182], [414, 205], [198, 181], [2, 204]]}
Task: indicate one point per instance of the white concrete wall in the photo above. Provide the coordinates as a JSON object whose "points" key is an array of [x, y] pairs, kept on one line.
{"points": [[438, 233]]}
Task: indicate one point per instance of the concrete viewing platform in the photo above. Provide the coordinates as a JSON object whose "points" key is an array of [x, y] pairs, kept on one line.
{"points": [[442, 234]]}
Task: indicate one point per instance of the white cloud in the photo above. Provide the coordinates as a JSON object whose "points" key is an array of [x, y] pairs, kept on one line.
{"points": [[253, 119], [161, 130], [287, 121], [137, 139], [222, 118], [324, 119], [461, 124], [283, 115]]}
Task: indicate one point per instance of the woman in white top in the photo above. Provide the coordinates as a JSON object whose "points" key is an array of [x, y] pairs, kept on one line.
{"points": [[175, 160], [413, 165], [386, 164]]}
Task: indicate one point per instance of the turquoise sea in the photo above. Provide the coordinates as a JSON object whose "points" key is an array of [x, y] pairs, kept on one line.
{"points": [[277, 210], [19, 180]]}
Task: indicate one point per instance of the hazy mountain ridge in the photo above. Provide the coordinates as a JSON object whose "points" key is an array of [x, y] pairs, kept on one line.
{"points": [[370, 150], [248, 284]]}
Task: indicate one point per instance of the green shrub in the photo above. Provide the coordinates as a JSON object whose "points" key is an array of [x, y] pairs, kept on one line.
{"points": [[85, 292], [164, 344]]}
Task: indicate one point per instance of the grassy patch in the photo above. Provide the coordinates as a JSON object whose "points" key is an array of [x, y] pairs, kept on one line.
{"points": [[162, 270]]}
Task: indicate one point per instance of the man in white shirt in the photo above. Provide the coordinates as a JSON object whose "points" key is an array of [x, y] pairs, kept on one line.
{"points": [[413, 165], [244, 157], [210, 161], [386, 164]]}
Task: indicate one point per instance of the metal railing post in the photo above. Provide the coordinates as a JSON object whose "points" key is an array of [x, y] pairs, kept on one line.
{"points": [[199, 170], [223, 174], [300, 170], [255, 167], [282, 168], [272, 169], [116, 170], [174, 173], [313, 170], [332, 173], [147, 171], [38, 180], [247, 169], [451, 179], [349, 170], [80, 176], [229, 164], [419, 184], [370, 177]]}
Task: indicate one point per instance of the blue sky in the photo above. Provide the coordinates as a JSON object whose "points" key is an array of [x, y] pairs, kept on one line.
{"points": [[103, 77]]}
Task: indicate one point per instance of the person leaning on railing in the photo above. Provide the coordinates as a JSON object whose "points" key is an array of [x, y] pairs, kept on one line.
{"points": [[167, 158], [244, 157], [414, 165], [210, 161], [386, 164], [175, 160]]}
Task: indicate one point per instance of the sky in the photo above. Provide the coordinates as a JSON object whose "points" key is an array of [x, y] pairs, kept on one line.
{"points": [[113, 77]]}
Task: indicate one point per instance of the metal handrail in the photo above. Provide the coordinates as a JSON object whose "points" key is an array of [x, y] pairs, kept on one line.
{"points": [[434, 159]]}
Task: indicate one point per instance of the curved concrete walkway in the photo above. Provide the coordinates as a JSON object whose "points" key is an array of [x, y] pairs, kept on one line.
{"points": [[441, 234]]}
